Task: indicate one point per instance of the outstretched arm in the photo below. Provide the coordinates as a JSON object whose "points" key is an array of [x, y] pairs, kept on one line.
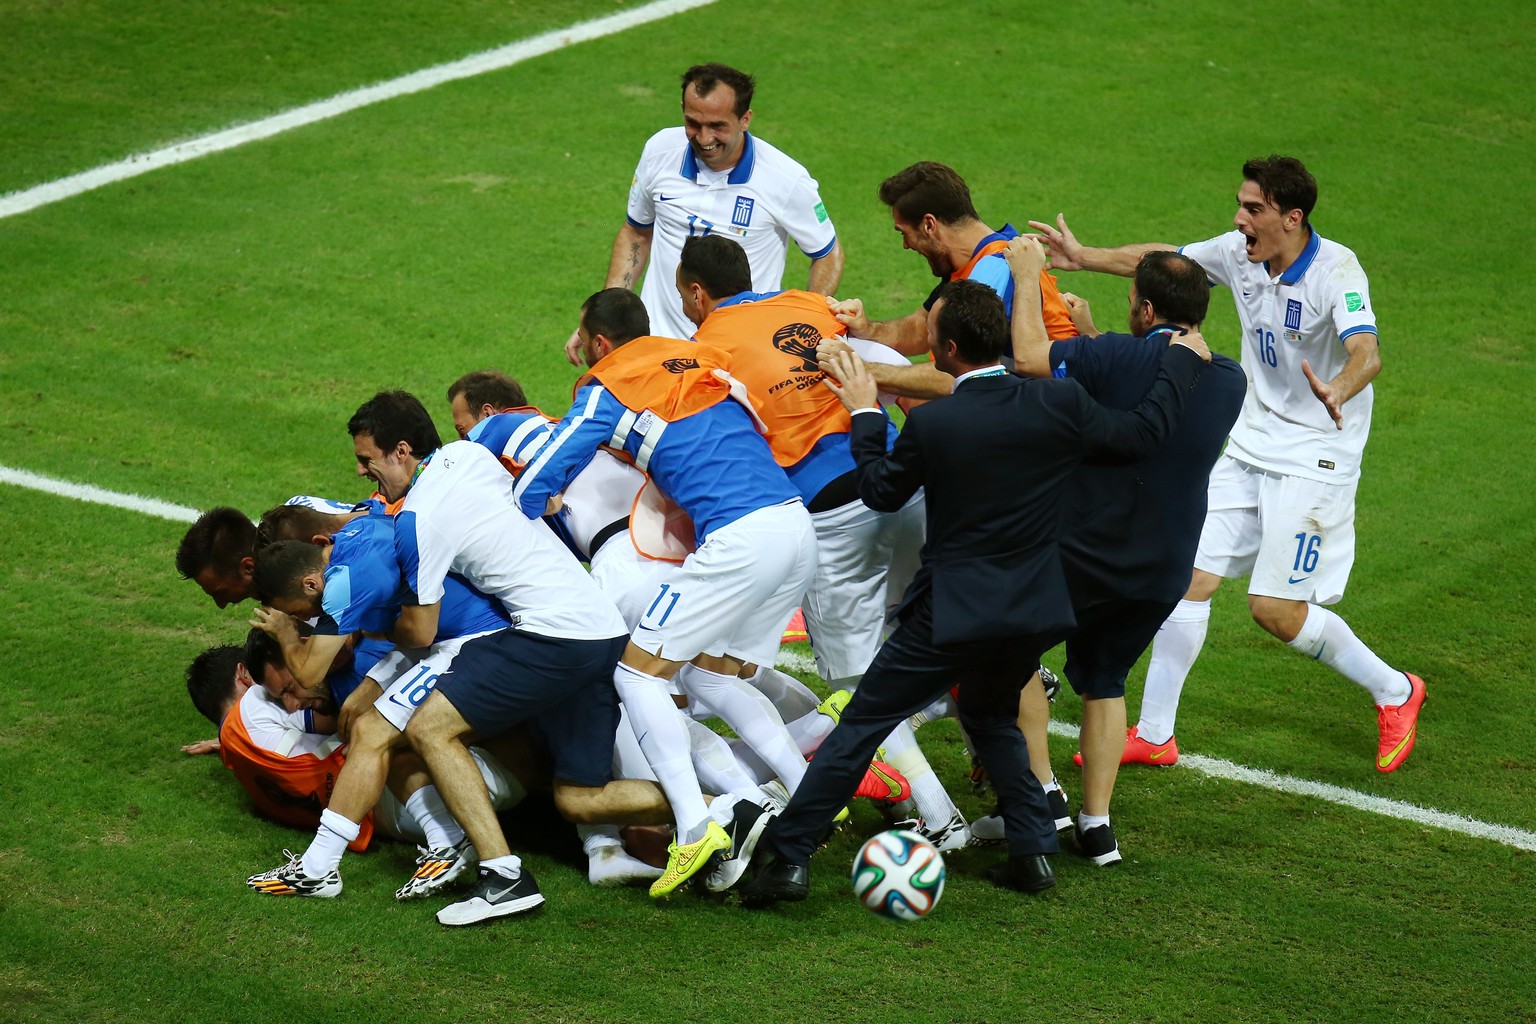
{"points": [[1362, 366], [1067, 253], [907, 335]]}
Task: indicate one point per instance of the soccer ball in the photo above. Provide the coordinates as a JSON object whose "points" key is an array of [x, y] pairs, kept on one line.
{"points": [[899, 874]]}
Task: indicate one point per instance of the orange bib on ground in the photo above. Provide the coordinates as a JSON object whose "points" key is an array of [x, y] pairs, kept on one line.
{"points": [[289, 790]]}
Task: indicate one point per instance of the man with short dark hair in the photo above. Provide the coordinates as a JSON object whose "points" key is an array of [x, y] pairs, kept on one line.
{"points": [[931, 209], [483, 393], [456, 518], [992, 460], [215, 554], [672, 408], [1282, 499], [713, 176], [1132, 527]]}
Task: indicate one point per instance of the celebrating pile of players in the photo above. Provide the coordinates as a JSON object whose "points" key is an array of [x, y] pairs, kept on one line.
{"points": [[564, 605]]}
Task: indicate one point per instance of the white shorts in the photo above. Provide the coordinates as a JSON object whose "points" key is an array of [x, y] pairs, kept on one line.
{"points": [[506, 792], [845, 606], [407, 677], [1294, 537], [628, 577], [736, 593]]}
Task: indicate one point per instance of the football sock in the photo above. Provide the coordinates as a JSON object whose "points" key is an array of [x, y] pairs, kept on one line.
{"points": [[1174, 651], [629, 761], [808, 731], [510, 866], [796, 705], [944, 707], [715, 764], [597, 837], [792, 697], [928, 793], [1088, 821], [613, 865], [664, 739], [1055, 784], [1328, 639], [723, 809], [427, 807], [330, 842], [751, 716]]}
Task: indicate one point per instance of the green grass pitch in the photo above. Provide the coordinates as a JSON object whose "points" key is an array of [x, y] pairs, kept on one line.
{"points": [[201, 333]]}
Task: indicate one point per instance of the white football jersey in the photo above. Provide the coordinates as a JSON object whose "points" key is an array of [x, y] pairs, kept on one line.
{"points": [[763, 201], [460, 516], [281, 732], [1304, 313]]}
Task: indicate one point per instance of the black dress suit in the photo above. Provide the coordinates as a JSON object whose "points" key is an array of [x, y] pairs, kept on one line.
{"points": [[991, 594], [1130, 529]]}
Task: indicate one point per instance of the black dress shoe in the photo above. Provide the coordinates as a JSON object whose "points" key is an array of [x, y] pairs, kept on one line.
{"points": [[1031, 873], [774, 881]]}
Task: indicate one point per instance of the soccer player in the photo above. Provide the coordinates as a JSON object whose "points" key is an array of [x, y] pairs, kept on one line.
{"points": [[553, 667], [772, 339], [668, 405], [482, 393], [931, 208], [712, 176], [287, 760], [1282, 498], [351, 581], [1130, 529], [217, 550]]}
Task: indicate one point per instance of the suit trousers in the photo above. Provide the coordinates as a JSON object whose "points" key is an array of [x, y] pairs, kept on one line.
{"points": [[908, 673]]}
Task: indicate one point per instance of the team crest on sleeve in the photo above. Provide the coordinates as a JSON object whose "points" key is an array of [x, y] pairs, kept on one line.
{"points": [[680, 365], [741, 216], [800, 341]]}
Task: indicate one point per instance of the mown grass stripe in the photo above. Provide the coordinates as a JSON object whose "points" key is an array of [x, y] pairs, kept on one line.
{"points": [[321, 110]]}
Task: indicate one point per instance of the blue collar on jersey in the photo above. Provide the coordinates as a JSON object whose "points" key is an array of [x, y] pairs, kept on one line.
{"points": [[740, 174], [743, 297], [1293, 272], [1006, 233], [1164, 329]]}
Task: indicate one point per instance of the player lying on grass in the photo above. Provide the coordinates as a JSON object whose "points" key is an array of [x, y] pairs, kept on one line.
{"points": [[287, 759]]}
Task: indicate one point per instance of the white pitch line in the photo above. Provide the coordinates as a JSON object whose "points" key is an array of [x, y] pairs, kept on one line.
{"points": [[794, 661], [98, 495], [417, 81], [1508, 835]]}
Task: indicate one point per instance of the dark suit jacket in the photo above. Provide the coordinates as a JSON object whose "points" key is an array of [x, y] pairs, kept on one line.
{"points": [[993, 459], [1130, 530]]}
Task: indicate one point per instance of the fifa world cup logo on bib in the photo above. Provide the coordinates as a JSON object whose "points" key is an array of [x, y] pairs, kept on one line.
{"points": [[800, 341]]}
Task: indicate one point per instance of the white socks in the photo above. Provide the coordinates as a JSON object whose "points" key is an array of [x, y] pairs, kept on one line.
{"points": [[608, 863], [427, 807], [751, 715], [1174, 651], [510, 866], [1328, 639], [928, 793], [330, 842], [716, 765], [664, 739]]}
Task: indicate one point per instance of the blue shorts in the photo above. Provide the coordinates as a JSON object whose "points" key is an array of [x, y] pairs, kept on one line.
{"points": [[563, 688], [1110, 638]]}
